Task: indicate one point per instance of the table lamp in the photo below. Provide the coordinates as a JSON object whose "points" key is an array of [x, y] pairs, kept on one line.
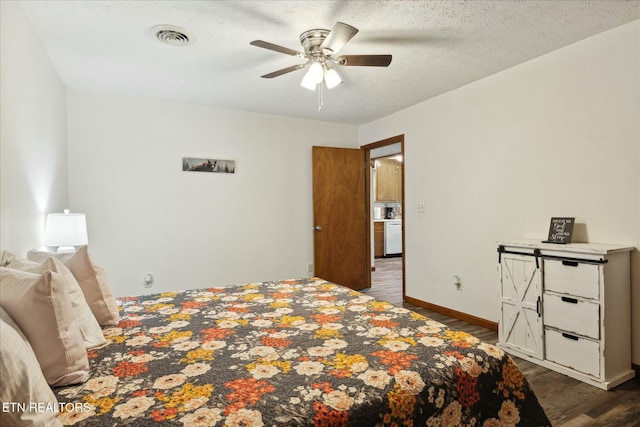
{"points": [[66, 230]]}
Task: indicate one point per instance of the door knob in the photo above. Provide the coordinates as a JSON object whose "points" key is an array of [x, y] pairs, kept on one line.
{"points": [[317, 228]]}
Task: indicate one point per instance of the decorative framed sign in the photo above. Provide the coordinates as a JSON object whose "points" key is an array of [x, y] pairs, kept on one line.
{"points": [[560, 230], [191, 164]]}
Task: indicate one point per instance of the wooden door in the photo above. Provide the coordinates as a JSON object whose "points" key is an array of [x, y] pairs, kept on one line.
{"points": [[341, 230], [520, 298]]}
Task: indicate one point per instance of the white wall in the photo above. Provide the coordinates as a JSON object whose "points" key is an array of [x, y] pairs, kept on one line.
{"points": [[193, 229], [556, 136], [33, 134]]}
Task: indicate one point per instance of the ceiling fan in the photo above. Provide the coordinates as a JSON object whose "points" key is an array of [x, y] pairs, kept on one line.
{"points": [[320, 47]]}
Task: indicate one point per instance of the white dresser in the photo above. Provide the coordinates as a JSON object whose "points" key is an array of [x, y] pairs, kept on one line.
{"points": [[568, 308]]}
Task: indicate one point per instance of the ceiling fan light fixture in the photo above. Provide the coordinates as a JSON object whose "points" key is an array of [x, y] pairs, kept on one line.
{"points": [[314, 75], [316, 72], [332, 78], [309, 82], [320, 46]]}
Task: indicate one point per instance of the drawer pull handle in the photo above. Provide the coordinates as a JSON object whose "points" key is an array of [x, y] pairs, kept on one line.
{"points": [[571, 337], [570, 263], [570, 300]]}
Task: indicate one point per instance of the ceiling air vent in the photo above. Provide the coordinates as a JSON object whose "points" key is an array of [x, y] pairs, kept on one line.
{"points": [[172, 35]]}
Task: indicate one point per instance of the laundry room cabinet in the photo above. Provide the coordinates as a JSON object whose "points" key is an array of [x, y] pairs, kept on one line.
{"points": [[568, 308]]}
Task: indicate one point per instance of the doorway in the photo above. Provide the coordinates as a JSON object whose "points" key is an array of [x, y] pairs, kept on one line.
{"points": [[386, 205]]}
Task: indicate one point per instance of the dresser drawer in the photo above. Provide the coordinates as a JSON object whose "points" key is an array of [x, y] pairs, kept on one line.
{"points": [[572, 278], [572, 315], [580, 354]]}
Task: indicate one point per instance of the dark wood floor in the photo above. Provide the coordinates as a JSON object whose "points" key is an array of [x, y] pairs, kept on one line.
{"points": [[567, 402]]}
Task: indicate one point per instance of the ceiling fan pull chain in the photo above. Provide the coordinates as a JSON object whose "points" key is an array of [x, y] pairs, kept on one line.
{"points": [[320, 97]]}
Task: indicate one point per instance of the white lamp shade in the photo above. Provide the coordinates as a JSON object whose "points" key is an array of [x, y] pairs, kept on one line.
{"points": [[316, 72], [65, 229], [308, 82], [332, 78], [313, 76]]}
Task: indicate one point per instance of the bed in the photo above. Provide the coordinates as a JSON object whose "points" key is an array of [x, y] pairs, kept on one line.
{"points": [[292, 352]]}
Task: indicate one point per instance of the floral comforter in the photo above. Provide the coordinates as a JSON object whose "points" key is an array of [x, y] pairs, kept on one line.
{"points": [[294, 353]]}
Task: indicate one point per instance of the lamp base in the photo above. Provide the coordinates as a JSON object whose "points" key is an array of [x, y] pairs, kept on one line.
{"points": [[66, 249]]}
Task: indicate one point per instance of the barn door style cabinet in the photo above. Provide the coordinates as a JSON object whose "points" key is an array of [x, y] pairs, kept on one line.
{"points": [[568, 308]]}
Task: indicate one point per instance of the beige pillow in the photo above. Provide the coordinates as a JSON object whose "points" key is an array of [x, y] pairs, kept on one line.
{"points": [[5, 258], [41, 256], [92, 280], [89, 327], [40, 306], [22, 381]]}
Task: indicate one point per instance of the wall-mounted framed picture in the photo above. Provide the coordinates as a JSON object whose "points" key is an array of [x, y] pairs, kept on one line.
{"points": [[560, 230], [192, 164]]}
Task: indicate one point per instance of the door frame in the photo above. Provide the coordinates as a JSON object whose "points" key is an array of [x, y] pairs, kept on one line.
{"points": [[367, 149]]}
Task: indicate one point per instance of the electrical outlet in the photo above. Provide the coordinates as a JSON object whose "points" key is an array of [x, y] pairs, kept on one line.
{"points": [[310, 268], [457, 282], [420, 207], [148, 280]]}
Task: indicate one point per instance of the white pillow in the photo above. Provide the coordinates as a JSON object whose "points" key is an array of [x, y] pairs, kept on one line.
{"points": [[89, 327], [40, 306], [22, 381], [93, 282]]}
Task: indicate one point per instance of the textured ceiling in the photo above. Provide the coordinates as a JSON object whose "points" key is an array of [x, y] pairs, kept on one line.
{"points": [[437, 46]]}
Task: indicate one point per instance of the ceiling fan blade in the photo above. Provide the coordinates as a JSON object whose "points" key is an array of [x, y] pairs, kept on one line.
{"points": [[338, 37], [365, 60], [283, 71], [275, 47]]}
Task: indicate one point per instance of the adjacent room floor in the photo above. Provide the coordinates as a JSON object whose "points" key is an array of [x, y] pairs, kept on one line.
{"points": [[567, 402]]}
